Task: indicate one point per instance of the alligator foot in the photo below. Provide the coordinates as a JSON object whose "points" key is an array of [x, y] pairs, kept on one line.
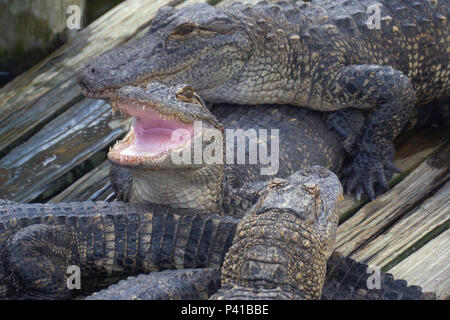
{"points": [[38, 256], [369, 173]]}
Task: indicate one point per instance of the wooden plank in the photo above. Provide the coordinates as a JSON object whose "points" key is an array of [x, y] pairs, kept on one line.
{"points": [[91, 186], [62, 144], [407, 232], [50, 87], [380, 214], [429, 267]]}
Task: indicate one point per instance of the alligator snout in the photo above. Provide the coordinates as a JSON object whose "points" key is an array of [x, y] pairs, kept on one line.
{"points": [[97, 79]]}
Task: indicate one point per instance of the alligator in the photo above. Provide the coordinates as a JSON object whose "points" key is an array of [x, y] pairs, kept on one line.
{"points": [[38, 243], [280, 251], [342, 57]]}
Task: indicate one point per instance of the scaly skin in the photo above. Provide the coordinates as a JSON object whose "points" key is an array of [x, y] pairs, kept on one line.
{"points": [[279, 252], [304, 140], [65, 234], [282, 244], [321, 55], [186, 284], [346, 280], [39, 241]]}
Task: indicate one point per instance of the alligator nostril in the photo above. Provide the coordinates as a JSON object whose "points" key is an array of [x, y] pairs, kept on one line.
{"points": [[93, 70]]}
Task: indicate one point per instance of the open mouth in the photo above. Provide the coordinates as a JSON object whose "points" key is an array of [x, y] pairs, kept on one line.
{"points": [[152, 136]]}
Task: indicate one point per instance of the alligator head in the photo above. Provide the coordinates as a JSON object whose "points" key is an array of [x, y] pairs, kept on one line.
{"points": [[164, 119], [168, 124], [282, 244], [176, 49]]}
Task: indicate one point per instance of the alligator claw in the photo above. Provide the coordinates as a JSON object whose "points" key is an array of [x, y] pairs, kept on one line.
{"points": [[366, 175], [389, 165]]}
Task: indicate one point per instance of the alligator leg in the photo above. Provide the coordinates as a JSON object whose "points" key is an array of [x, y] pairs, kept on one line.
{"points": [[347, 125], [38, 256], [389, 94], [121, 181]]}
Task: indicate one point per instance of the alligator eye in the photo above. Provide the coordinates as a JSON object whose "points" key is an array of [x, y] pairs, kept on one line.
{"points": [[186, 94], [184, 29]]}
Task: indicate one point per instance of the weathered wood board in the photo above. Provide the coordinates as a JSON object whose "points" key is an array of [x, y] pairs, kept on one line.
{"points": [[71, 138], [93, 186], [432, 214], [384, 211], [429, 267]]}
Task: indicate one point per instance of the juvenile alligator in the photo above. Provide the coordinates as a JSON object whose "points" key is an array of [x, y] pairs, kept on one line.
{"points": [[326, 55], [280, 251]]}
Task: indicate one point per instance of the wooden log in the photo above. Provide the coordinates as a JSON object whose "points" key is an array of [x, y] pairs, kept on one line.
{"points": [[380, 214], [429, 267]]}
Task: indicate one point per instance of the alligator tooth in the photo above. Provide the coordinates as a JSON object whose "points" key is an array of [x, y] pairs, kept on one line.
{"points": [[114, 107], [294, 37]]}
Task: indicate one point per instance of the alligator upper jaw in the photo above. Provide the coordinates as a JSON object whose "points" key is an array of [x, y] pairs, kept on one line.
{"points": [[98, 94]]}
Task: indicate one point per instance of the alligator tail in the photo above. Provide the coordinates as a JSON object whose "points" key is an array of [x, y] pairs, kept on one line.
{"points": [[348, 279]]}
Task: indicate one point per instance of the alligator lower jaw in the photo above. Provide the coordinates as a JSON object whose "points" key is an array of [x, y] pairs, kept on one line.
{"points": [[152, 137]]}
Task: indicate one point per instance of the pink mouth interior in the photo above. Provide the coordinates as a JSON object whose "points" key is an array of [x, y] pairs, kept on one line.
{"points": [[153, 134]]}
